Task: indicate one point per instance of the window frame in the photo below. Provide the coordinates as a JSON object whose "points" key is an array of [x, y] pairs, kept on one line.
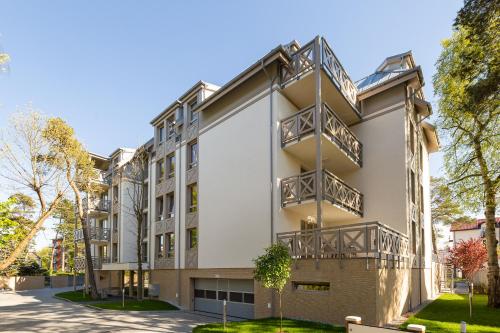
{"points": [[190, 244], [192, 207]]}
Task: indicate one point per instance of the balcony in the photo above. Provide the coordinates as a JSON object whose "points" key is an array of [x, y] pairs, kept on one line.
{"points": [[96, 206], [81, 263], [337, 89], [361, 240], [341, 148], [340, 201], [96, 234]]}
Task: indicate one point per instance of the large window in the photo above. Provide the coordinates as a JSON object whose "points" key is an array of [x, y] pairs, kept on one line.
{"points": [[193, 198], [161, 134], [193, 116], [193, 154], [159, 209], [412, 138], [192, 241], [159, 246], [170, 238], [115, 222], [160, 169], [170, 205], [170, 165]]}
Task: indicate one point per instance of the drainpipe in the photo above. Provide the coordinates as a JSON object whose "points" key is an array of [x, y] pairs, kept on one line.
{"points": [[271, 135], [178, 198]]}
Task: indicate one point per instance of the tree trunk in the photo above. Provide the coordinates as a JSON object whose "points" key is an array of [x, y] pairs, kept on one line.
{"points": [[491, 245], [25, 242], [85, 231], [139, 260], [281, 314], [51, 268], [491, 240]]}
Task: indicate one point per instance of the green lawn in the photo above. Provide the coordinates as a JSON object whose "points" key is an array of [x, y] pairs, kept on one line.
{"points": [[134, 305], [445, 314], [75, 296], [269, 325]]}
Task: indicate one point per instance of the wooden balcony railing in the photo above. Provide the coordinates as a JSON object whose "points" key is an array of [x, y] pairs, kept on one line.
{"points": [[303, 61], [303, 123], [95, 234], [100, 205], [81, 263], [296, 189], [362, 240]]}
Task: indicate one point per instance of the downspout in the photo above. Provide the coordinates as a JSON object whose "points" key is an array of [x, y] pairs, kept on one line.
{"points": [[178, 198], [271, 135], [271, 156]]}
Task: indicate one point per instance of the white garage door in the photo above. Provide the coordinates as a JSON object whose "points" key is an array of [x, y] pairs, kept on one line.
{"points": [[209, 295]]}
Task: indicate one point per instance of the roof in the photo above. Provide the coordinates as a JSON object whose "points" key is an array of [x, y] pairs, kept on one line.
{"points": [[463, 226], [390, 69]]}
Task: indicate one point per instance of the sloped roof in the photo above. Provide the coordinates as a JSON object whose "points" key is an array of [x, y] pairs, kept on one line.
{"points": [[463, 226], [377, 78]]}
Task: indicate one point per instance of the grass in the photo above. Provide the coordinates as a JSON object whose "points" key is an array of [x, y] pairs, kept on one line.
{"points": [[75, 296], [134, 305], [270, 325], [445, 314]]}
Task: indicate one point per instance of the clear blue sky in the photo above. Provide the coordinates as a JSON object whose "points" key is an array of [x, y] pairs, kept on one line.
{"points": [[109, 67]]}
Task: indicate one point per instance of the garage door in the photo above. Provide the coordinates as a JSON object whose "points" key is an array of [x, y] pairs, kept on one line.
{"points": [[209, 295]]}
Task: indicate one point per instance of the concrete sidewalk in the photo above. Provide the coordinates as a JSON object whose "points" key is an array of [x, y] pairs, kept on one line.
{"points": [[38, 311]]}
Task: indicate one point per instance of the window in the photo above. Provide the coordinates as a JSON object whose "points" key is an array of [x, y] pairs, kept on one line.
{"points": [[115, 252], [248, 298], [170, 205], [210, 294], [170, 238], [159, 246], [159, 209], [412, 186], [160, 167], [171, 126], [144, 252], [311, 286], [222, 295], [193, 116], [414, 237], [115, 194], [199, 293], [422, 242], [193, 154], [412, 138], [192, 198], [235, 296], [421, 156], [421, 199], [161, 134], [115, 222], [171, 165], [192, 241]]}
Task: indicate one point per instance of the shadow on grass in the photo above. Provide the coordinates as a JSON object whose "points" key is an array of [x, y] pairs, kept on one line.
{"points": [[134, 305]]}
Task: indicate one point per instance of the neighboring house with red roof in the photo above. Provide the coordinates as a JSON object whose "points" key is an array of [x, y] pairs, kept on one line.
{"points": [[467, 230]]}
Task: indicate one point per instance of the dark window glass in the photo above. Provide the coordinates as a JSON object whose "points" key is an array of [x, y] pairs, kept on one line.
{"points": [[193, 238], [170, 245], [193, 154], [171, 165], [311, 286], [211, 294], [222, 295], [235, 296], [193, 198], [200, 293], [248, 298]]}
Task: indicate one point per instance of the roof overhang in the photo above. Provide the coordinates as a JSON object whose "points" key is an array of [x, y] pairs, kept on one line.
{"points": [[278, 53], [423, 107], [431, 137]]}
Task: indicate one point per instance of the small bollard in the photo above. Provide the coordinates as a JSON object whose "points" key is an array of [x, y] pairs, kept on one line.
{"points": [[416, 328], [351, 320], [224, 314], [463, 327], [123, 297]]}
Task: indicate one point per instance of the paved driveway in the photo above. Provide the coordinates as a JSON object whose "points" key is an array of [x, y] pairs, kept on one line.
{"points": [[38, 311]]}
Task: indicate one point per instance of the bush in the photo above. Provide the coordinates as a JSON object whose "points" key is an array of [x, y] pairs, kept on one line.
{"points": [[30, 269]]}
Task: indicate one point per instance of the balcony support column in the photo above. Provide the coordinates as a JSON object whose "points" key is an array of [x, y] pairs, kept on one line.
{"points": [[317, 130]]}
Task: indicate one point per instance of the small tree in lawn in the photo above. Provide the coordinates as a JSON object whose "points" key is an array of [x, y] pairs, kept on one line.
{"points": [[469, 256], [272, 269]]}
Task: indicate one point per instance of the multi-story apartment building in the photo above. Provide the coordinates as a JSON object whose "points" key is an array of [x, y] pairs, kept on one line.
{"points": [[292, 151]]}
